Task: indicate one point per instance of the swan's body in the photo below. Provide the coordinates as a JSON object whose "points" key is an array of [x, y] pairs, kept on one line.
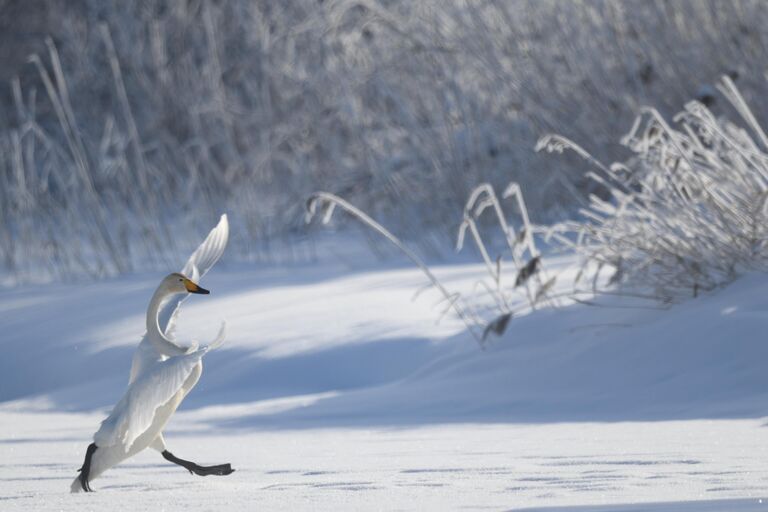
{"points": [[162, 374]]}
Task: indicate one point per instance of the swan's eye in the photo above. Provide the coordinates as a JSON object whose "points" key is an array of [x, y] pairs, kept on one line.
{"points": [[180, 280]]}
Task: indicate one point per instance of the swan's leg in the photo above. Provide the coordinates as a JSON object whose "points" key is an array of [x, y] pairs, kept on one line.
{"points": [[159, 443], [221, 469], [85, 471]]}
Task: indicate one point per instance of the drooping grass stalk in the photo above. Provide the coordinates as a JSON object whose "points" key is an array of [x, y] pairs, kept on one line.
{"points": [[470, 224], [474, 206], [481, 198], [330, 201], [484, 197]]}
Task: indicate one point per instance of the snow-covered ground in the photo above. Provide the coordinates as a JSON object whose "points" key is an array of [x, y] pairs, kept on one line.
{"points": [[438, 467], [337, 391]]}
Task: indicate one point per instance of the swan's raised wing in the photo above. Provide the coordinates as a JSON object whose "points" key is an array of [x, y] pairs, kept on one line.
{"points": [[201, 261], [135, 411], [209, 252]]}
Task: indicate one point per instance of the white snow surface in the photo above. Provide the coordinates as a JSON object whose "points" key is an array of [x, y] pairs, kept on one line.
{"points": [[337, 390]]}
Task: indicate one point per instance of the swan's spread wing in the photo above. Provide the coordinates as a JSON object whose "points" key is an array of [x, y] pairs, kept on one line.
{"points": [[135, 411], [209, 251], [201, 261]]}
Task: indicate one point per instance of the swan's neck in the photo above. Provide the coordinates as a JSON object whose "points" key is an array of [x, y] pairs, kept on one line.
{"points": [[158, 339]]}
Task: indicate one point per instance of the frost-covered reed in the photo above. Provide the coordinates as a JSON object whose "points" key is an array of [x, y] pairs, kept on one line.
{"points": [[687, 213]]}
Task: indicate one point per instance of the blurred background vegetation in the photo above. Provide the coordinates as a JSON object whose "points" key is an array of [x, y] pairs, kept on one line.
{"points": [[125, 126]]}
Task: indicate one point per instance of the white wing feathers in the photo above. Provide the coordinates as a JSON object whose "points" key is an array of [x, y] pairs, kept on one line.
{"points": [[135, 411], [201, 261], [209, 251], [152, 389]]}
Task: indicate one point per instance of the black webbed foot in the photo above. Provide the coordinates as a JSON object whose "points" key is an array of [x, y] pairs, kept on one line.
{"points": [[219, 470]]}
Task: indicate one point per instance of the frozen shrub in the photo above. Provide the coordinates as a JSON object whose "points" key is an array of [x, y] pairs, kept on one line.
{"points": [[687, 213]]}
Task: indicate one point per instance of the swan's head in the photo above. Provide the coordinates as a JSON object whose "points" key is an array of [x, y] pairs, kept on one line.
{"points": [[179, 283]]}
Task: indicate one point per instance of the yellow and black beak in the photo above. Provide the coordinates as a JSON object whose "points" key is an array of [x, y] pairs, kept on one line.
{"points": [[194, 287]]}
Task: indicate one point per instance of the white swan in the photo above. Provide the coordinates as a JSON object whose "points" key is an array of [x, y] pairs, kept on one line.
{"points": [[162, 374]]}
